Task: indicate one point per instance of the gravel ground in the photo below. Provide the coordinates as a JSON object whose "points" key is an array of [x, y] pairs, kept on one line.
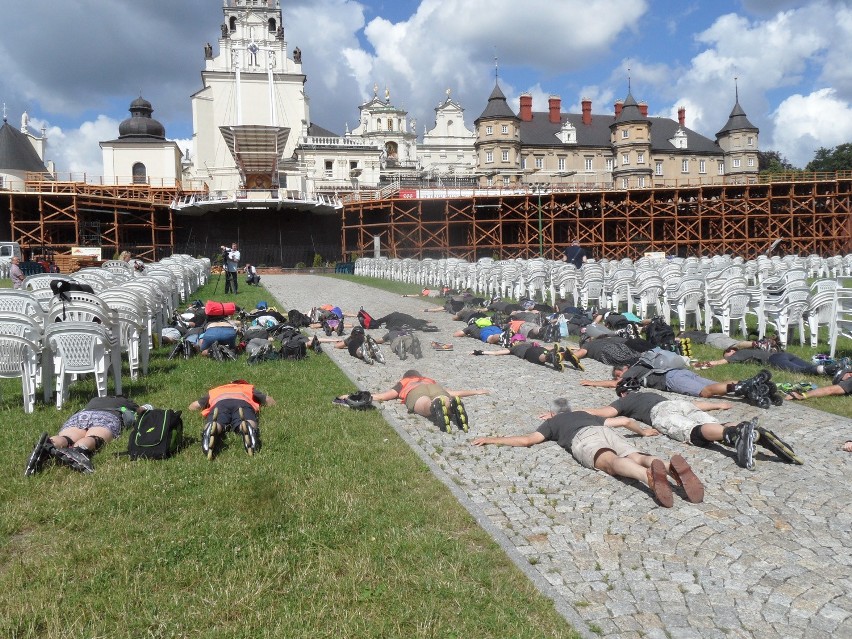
{"points": [[766, 555]]}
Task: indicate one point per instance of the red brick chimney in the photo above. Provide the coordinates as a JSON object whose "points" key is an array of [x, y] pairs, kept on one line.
{"points": [[526, 107], [643, 109], [619, 104], [587, 111], [681, 116], [555, 105]]}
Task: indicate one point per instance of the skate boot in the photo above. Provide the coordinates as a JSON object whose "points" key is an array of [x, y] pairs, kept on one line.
{"points": [[755, 390], [43, 450], [555, 359], [251, 435], [375, 352], [745, 445], [441, 413], [316, 347], [774, 444], [209, 434], [568, 355], [776, 398], [78, 459], [365, 353], [458, 414]]}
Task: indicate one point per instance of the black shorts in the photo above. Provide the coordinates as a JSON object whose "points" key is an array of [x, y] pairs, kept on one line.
{"points": [[228, 413]]}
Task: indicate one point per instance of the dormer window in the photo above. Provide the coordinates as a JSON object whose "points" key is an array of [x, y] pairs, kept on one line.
{"points": [[567, 134], [678, 141]]}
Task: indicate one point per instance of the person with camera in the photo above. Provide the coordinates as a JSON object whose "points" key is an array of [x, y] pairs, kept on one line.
{"points": [[231, 260]]}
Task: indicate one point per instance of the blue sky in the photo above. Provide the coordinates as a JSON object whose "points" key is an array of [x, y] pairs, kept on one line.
{"points": [[75, 66]]}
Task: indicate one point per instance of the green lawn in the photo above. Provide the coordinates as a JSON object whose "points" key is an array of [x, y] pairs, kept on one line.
{"points": [[335, 529]]}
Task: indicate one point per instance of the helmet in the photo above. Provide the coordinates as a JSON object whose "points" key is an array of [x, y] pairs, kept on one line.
{"points": [[625, 386], [357, 330], [838, 376]]}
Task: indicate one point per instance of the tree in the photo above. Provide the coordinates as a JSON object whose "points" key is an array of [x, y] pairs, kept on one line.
{"points": [[773, 162], [837, 159]]}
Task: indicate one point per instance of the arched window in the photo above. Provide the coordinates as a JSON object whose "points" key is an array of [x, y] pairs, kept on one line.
{"points": [[272, 25], [392, 150], [390, 124], [140, 174], [233, 24]]}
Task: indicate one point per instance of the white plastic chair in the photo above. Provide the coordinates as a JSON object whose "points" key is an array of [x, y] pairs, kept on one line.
{"points": [[132, 330], [77, 348], [820, 307], [19, 357]]}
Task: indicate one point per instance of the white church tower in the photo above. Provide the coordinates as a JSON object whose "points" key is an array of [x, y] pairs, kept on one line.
{"points": [[252, 109]]}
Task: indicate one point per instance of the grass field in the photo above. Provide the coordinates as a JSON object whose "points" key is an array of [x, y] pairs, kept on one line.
{"points": [[335, 529]]}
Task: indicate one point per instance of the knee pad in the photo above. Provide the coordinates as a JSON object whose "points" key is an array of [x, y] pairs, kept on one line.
{"points": [[99, 443], [697, 439], [68, 441]]}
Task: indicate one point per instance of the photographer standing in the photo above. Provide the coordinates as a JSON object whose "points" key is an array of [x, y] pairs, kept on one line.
{"points": [[231, 266]]}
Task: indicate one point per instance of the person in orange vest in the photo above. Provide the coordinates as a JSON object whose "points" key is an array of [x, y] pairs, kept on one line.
{"points": [[231, 407], [424, 396]]}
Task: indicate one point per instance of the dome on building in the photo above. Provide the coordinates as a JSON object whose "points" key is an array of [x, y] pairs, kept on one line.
{"points": [[140, 124]]}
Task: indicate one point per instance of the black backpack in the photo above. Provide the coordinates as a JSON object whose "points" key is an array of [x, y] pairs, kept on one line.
{"points": [[294, 347], [157, 434], [660, 334], [298, 319]]}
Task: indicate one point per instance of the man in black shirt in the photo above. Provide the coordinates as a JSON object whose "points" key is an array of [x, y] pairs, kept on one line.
{"points": [[575, 254], [592, 442], [687, 421]]}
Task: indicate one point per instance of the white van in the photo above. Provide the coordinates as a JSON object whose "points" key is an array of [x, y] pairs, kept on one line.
{"points": [[9, 250]]}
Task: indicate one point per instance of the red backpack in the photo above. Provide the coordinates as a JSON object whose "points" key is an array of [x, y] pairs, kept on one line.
{"points": [[365, 319]]}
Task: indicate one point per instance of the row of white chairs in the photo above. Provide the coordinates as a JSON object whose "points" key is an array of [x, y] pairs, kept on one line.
{"points": [[720, 291], [49, 340]]}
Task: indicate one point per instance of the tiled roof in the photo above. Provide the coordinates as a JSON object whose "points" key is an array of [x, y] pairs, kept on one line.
{"points": [[497, 106], [540, 131], [17, 153], [737, 121]]}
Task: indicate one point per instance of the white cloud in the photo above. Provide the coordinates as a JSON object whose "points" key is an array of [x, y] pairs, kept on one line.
{"points": [[804, 123]]}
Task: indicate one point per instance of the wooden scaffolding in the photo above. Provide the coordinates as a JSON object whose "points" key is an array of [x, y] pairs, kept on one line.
{"points": [[809, 216], [49, 218]]}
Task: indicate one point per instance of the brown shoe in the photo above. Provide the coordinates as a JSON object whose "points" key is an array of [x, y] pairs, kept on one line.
{"points": [[659, 484], [682, 473]]}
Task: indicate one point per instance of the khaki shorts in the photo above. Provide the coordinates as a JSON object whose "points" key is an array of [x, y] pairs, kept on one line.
{"points": [[677, 418], [592, 439], [423, 390]]}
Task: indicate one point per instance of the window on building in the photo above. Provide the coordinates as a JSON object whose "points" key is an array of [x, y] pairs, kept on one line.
{"points": [[140, 173], [625, 134], [610, 164], [489, 181], [505, 128], [736, 163], [271, 26], [589, 164], [658, 168], [702, 166], [505, 156], [751, 161], [523, 163], [750, 140], [353, 164], [640, 158], [329, 168], [539, 163], [489, 156], [560, 164], [625, 159], [721, 168], [489, 130], [641, 181], [684, 166], [625, 183]]}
